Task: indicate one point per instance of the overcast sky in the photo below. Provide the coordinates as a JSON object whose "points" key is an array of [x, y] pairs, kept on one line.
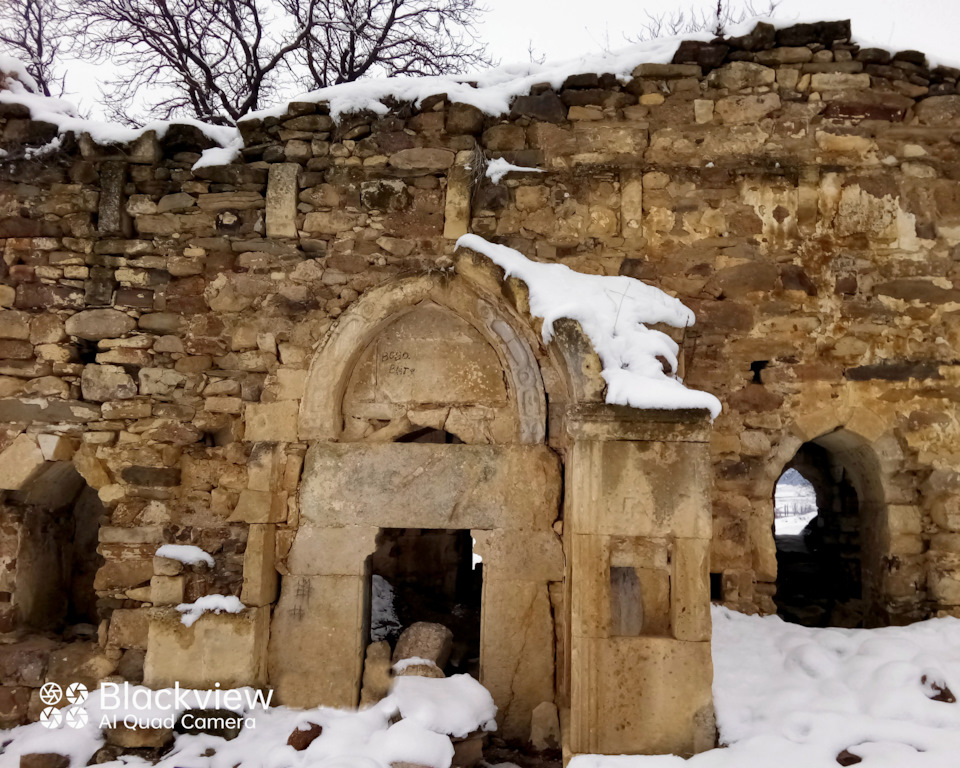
{"points": [[562, 29]]}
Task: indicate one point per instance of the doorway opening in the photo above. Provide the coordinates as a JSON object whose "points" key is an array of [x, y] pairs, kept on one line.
{"points": [[431, 575], [57, 522], [829, 504]]}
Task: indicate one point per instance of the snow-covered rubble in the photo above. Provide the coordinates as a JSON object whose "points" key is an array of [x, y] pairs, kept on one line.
{"points": [[614, 312], [430, 714], [786, 696]]}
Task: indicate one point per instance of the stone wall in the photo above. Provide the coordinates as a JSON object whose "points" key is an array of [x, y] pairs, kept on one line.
{"points": [[159, 326]]}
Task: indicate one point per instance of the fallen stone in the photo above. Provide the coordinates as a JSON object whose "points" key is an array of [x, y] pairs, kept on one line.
{"points": [[425, 640], [44, 760], [138, 738], [376, 673], [303, 737]]}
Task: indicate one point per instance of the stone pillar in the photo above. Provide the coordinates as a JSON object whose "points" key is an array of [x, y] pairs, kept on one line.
{"points": [[517, 632], [637, 533], [321, 623]]}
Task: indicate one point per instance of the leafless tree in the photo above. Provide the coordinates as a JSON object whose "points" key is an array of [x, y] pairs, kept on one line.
{"points": [[219, 59], [33, 31], [350, 39], [715, 20], [211, 59]]}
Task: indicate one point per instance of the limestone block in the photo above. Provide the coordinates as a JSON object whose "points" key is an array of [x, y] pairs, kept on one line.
{"points": [[422, 159], [112, 218], [377, 677], [282, 190], [320, 551], [838, 81], [56, 447], [650, 489], [20, 463], [526, 555], [91, 469], [631, 204], [166, 590], [272, 422], [265, 467], [669, 709], [79, 662], [259, 566], [736, 110], [430, 486], [128, 628], [159, 381], [107, 382], [456, 215], [317, 641], [516, 654], [332, 222], [260, 507], [741, 74], [425, 640], [229, 649], [690, 588]]}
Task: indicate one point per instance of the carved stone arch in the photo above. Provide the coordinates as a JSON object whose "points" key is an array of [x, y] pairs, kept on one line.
{"points": [[339, 353]]}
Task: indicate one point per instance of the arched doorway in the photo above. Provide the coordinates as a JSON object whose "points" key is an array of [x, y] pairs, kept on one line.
{"points": [[827, 523]]}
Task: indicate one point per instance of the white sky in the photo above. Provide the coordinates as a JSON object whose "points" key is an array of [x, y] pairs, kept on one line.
{"points": [[565, 28], [562, 29]]}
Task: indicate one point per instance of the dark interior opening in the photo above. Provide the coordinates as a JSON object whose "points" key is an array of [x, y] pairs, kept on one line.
{"points": [[817, 530], [57, 559], [430, 435], [716, 587], [422, 574]]}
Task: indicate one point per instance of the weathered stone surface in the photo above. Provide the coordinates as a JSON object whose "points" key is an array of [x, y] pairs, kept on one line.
{"points": [[422, 159], [96, 324], [20, 463], [391, 489], [281, 202], [138, 738], [107, 382]]}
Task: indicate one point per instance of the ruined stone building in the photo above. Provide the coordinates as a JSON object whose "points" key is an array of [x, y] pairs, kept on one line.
{"points": [[285, 361]]}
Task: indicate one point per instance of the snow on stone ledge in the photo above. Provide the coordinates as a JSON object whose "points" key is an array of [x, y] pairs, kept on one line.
{"points": [[17, 87], [613, 312], [209, 604], [498, 168], [185, 553]]}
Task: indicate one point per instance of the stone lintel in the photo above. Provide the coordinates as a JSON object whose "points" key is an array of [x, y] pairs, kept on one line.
{"points": [[601, 421]]}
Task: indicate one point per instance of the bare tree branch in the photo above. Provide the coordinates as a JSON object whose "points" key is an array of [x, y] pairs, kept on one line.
{"points": [[690, 20], [33, 31]]}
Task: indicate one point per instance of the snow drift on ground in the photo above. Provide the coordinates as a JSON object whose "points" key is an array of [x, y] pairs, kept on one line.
{"points": [[786, 697], [431, 713], [614, 313], [793, 697]]}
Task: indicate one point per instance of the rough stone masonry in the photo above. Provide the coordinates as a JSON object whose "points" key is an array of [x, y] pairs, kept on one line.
{"points": [[231, 357]]}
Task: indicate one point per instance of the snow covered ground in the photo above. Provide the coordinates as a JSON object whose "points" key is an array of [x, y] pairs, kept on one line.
{"points": [[795, 503], [786, 696]]}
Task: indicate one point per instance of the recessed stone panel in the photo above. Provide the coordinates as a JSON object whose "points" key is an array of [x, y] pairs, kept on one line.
{"points": [[429, 355]]}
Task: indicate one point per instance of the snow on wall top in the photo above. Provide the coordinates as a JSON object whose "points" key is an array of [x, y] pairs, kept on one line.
{"points": [[18, 87], [614, 313], [491, 91]]}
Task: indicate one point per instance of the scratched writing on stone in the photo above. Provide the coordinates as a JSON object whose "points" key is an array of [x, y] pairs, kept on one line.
{"points": [[395, 363]]}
